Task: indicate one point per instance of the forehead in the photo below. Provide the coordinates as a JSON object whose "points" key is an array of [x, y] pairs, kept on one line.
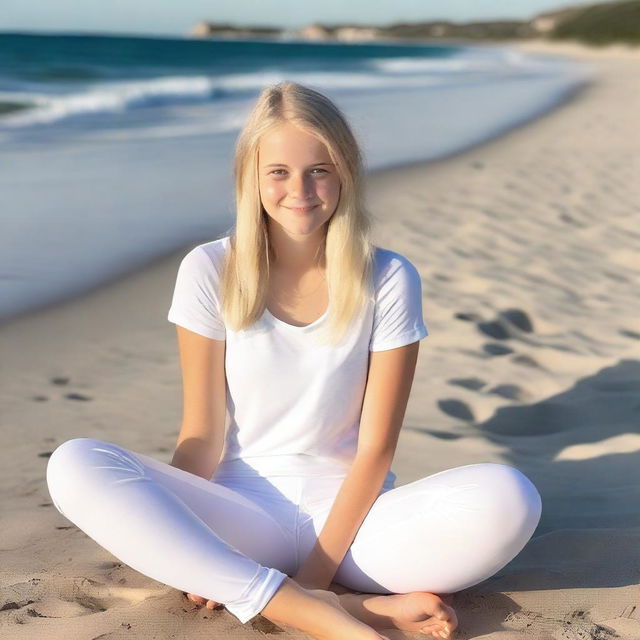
{"points": [[288, 142]]}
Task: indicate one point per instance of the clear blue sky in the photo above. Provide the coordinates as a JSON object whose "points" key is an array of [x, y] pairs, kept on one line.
{"points": [[176, 17]]}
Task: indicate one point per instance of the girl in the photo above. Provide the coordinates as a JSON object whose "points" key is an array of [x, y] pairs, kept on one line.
{"points": [[298, 341]]}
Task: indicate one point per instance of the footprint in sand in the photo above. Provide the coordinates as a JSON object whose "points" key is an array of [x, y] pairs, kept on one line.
{"points": [[468, 383], [456, 409], [468, 317], [94, 596], [62, 381], [574, 626], [526, 360], [75, 602], [510, 323], [496, 349], [15, 605], [444, 435], [494, 329], [517, 318], [568, 219], [77, 396], [509, 391]]}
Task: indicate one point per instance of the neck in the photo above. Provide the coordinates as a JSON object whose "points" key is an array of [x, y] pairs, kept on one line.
{"points": [[296, 253]]}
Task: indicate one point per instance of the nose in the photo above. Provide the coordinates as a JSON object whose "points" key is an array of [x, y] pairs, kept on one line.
{"points": [[301, 186]]}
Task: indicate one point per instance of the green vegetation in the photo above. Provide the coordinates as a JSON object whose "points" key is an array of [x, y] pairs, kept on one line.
{"points": [[602, 24], [597, 24]]}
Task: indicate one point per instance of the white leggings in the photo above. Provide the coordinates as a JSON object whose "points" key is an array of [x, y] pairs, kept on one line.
{"points": [[235, 539]]}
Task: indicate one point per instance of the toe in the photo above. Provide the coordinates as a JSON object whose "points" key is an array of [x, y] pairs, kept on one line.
{"points": [[437, 627], [447, 615]]}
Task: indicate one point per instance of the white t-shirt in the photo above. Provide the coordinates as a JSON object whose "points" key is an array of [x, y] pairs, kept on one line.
{"points": [[293, 404]]}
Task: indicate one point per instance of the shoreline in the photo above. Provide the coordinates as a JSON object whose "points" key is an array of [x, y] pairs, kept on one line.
{"points": [[540, 220], [571, 94]]}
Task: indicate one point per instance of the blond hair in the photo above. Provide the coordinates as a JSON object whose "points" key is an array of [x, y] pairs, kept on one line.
{"points": [[347, 250]]}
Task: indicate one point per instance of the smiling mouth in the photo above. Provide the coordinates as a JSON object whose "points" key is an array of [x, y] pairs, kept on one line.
{"points": [[302, 209]]}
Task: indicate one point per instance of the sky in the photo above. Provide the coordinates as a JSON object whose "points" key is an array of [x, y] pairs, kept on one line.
{"points": [[176, 17]]}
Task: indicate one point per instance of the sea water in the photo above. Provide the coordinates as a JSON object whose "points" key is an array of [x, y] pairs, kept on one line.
{"points": [[115, 151]]}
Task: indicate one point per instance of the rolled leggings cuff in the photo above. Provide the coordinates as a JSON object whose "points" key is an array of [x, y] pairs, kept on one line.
{"points": [[255, 597]]}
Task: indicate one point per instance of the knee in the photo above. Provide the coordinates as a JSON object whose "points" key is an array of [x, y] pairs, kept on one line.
{"points": [[69, 456], [76, 468], [511, 496]]}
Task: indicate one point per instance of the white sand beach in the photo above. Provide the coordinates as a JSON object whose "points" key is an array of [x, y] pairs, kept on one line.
{"points": [[529, 251]]}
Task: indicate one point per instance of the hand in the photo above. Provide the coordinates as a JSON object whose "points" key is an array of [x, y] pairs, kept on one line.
{"points": [[199, 600]]}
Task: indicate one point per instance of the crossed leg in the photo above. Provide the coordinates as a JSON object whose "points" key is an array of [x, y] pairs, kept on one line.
{"points": [[437, 535], [173, 526]]}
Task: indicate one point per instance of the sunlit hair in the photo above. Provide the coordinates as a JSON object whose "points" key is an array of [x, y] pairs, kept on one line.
{"points": [[347, 251]]}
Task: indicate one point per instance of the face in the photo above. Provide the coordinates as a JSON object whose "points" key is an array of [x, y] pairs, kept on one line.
{"points": [[299, 184]]}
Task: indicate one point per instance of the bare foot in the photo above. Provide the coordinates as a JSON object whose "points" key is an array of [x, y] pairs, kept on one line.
{"points": [[419, 611], [199, 600]]}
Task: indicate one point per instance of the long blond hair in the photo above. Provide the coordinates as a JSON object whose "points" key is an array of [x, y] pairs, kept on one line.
{"points": [[348, 251]]}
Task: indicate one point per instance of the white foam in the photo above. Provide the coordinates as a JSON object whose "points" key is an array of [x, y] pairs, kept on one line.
{"points": [[386, 73]]}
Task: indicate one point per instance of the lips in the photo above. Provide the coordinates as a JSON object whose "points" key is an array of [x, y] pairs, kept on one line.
{"points": [[303, 209]]}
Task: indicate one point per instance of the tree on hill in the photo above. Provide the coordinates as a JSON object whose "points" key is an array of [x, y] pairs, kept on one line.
{"points": [[601, 24]]}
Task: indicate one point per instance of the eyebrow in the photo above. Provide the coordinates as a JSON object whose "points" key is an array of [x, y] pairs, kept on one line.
{"points": [[280, 164]]}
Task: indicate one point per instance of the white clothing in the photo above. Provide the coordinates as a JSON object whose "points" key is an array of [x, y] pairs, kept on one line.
{"points": [[293, 405], [235, 540], [293, 413]]}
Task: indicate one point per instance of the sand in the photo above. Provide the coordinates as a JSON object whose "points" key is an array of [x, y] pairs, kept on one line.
{"points": [[528, 247]]}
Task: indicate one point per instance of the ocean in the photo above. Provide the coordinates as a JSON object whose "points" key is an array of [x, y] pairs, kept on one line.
{"points": [[115, 151]]}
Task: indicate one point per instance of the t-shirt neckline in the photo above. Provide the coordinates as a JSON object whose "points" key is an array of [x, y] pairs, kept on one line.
{"points": [[293, 327]]}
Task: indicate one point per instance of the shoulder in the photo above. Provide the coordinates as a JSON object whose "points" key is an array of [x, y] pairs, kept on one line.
{"points": [[391, 268], [208, 256]]}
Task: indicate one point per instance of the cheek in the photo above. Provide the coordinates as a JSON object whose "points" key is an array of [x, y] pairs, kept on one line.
{"points": [[270, 191], [330, 190]]}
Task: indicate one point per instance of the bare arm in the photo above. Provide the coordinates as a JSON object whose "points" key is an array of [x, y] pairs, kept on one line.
{"points": [[387, 392], [201, 437]]}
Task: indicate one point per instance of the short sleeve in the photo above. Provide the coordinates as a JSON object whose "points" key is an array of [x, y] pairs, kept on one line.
{"points": [[195, 304], [397, 317]]}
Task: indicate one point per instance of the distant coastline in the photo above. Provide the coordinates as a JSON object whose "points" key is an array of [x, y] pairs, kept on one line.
{"points": [[597, 24]]}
